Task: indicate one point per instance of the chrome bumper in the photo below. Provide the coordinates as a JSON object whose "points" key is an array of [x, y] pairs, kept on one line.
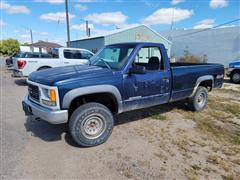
{"points": [[51, 116], [17, 73]]}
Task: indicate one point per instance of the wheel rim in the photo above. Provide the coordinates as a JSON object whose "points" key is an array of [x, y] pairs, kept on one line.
{"points": [[93, 126], [201, 99], [236, 77]]}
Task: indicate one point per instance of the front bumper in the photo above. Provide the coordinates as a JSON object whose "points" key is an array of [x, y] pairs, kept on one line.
{"points": [[17, 73], [51, 116]]}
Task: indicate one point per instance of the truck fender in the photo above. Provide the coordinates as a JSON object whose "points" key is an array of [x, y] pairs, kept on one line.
{"points": [[72, 94], [201, 79]]}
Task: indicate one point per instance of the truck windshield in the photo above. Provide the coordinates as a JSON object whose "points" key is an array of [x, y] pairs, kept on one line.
{"points": [[112, 57]]}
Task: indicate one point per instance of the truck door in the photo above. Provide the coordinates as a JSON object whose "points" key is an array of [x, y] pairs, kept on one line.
{"points": [[152, 87]]}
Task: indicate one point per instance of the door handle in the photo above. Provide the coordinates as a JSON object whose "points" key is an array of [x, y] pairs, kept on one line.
{"points": [[66, 62], [165, 80]]}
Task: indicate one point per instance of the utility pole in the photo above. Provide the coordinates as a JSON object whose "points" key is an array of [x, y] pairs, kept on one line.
{"points": [[31, 35], [170, 37], [67, 21], [87, 34], [172, 19]]}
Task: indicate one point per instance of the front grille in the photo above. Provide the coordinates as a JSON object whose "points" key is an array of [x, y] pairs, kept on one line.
{"points": [[34, 92]]}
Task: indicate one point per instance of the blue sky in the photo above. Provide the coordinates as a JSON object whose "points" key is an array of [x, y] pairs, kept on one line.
{"points": [[46, 18]]}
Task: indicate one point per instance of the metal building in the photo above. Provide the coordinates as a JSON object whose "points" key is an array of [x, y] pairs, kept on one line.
{"points": [[140, 33], [219, 45]]}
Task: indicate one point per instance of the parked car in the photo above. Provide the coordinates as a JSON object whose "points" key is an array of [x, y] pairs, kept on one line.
{"points": [[234, 71], [30, 62], [120, 77], [9, 60]]}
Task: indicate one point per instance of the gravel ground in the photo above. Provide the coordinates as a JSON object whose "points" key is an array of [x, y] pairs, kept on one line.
{"points": [[164, 142]]}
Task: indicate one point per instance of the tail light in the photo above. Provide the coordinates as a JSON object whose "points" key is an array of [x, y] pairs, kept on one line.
{"points": [[21, 64]]}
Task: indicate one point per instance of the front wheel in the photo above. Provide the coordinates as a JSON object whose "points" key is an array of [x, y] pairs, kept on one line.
{"points": [[91, 124], [200, 99]]}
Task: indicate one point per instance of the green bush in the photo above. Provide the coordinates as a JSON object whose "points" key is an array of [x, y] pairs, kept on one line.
{"points": [[9, 46]]}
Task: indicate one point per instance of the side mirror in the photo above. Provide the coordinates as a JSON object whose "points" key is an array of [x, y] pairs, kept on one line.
{"points": [[137, 70]]}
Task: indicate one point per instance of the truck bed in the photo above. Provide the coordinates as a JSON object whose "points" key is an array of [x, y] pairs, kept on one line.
{"points": [[177, 64], [185, 77]]}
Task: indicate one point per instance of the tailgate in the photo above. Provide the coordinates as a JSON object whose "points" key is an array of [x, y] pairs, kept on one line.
{"points": [[15, 66]]}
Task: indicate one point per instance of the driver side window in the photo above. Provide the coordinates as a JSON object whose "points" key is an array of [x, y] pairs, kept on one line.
{"points": [[150, 58]]}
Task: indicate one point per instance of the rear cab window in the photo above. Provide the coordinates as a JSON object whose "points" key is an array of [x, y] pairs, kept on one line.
{"points": [[72, 54], [46, 56], [32, 55]]}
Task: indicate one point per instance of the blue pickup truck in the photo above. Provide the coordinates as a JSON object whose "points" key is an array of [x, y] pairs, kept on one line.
{"points": [[119, 78], [234, 71]]}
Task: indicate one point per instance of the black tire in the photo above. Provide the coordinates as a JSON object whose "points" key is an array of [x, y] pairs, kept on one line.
{"points": [[199, 100], [44, 67], [87, 119], [235, 77]]}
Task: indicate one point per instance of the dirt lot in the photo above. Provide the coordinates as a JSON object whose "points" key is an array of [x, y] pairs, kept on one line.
{"points": [[166, 141]]}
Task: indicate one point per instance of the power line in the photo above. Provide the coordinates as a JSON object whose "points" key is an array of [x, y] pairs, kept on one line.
{"points": [[187, 34]]}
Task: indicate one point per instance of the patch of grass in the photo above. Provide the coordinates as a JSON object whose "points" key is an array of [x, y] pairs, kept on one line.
{"points": [[161, 156], [220, 115], [222, 133], [229, 152], [222, 90], [143, 163], [235, 149], [233, 109], [214, 159], [216, 120], [196, 167], [182, 145], [127, 174], [223, 104], [191, 174], [199, 142], [161, 117], [236, 161], [228, 177]]}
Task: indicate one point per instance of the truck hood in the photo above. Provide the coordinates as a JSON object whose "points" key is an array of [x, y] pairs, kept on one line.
{"points": [[60, 75]]}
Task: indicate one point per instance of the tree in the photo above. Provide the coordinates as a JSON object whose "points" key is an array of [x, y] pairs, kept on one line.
{"points": [[25, 44], [9, 46]]}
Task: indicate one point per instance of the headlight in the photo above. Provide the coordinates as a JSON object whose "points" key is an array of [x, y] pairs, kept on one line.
{"points": [[231, 65], [49, 97]]}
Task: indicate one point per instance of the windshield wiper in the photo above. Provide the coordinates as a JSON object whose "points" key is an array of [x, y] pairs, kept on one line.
{"points": [[106, 63]]}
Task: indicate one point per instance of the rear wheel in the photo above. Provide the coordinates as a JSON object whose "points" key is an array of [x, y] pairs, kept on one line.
{"points": [[91, 124], [200, 99], [235, 77]]}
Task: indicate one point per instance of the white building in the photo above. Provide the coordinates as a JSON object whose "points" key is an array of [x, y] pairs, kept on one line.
{"points": [[220, 45]]}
